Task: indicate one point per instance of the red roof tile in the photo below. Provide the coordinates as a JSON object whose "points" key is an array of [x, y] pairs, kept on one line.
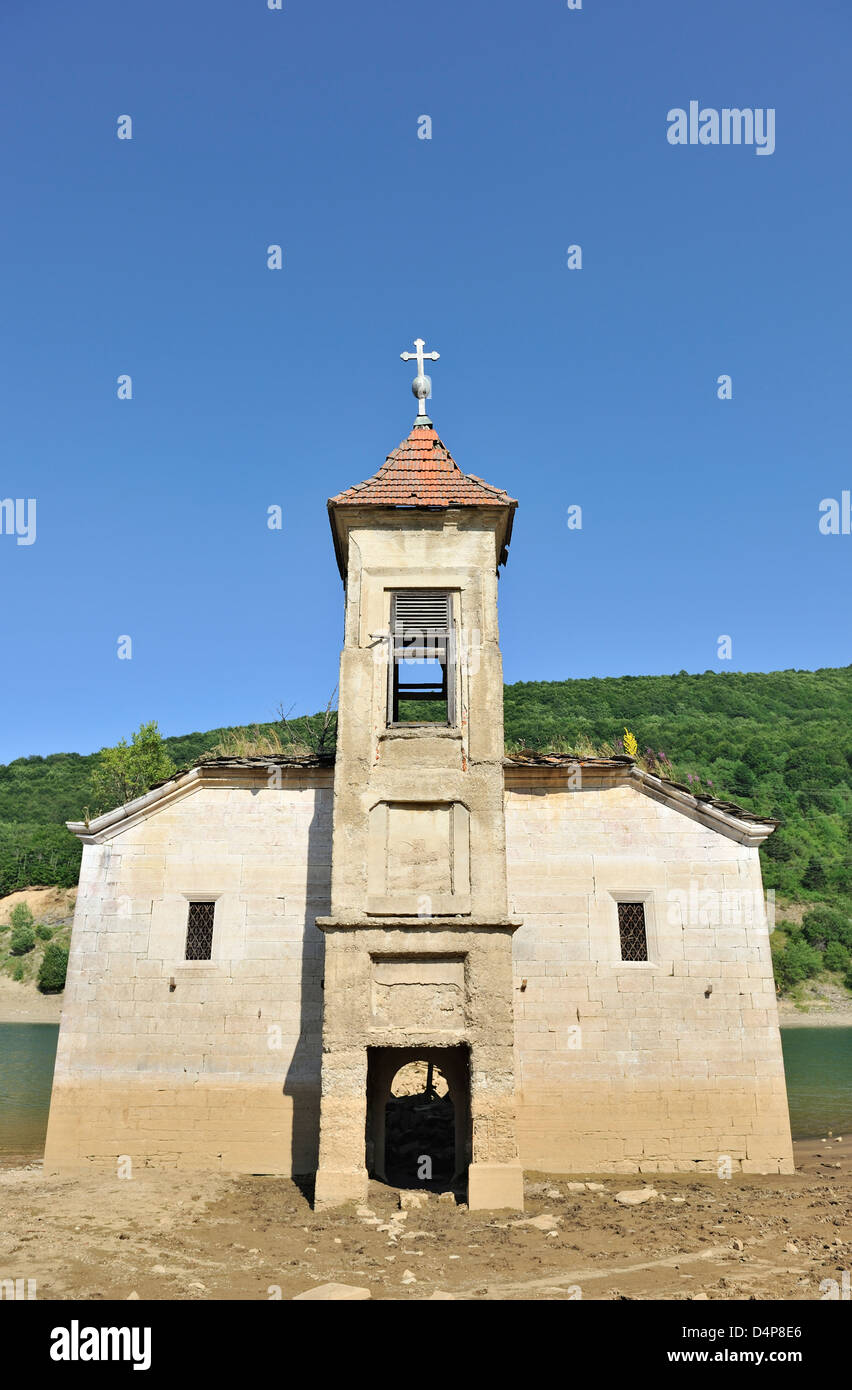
{"points": [[422, 473]]}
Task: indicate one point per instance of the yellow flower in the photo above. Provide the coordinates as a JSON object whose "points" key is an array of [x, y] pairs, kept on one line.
{"points": [[631, 747]]}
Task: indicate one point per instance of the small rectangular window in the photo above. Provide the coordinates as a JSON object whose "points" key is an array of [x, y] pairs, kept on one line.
{"points": [[199, 931], [421, 667], [631, 928]]}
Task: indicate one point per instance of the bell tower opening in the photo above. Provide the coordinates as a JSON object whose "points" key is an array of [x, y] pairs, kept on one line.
{"points": [[421, 666]]}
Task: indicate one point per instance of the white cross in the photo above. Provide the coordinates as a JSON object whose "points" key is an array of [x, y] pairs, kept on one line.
{"points": [[422, 384]]}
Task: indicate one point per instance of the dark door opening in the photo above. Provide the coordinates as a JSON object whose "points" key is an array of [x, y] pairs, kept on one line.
{"points": [[418, 1117]]}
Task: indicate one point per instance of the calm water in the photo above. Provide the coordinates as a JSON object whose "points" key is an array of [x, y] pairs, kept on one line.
{"points": [[818, 1063], [818, 1067], [27, 1052]]}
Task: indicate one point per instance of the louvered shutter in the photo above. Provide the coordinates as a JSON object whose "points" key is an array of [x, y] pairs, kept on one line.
{"points": [[417, 611]]}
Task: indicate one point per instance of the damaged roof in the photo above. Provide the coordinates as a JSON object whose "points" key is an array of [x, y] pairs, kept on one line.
{"points": [[422, 472], [523, 766]]}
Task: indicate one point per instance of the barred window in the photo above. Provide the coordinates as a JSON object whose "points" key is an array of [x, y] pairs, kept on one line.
{"points": [[199, 931], [631, 929]]}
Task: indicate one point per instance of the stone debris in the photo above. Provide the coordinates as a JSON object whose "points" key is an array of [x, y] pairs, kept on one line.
{"points": [[635, 1196], [410, 1200], [791, 1247], [133, 1295], [545, 1222], [440, 1295], [365, 1212], [334, 1293], [408, 1277], [737, 1245], [596, 1186]]}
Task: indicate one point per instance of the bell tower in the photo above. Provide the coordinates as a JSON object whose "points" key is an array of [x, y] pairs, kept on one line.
{"points": [[419, 940]]}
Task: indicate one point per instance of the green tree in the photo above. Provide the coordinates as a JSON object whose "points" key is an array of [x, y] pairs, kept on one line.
{"points": [[32, 852], [814, 876], [794, 961], [836, 957], [129, 770], [23, 940], [43, 933], [824, 924], [21, 916], [53, 968]]}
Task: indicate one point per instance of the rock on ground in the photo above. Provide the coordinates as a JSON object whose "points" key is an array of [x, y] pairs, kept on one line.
{"points": [[334, 1293]]}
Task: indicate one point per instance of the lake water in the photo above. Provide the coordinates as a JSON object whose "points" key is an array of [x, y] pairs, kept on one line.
{"points": [[27, 1053], [817, 1062]]}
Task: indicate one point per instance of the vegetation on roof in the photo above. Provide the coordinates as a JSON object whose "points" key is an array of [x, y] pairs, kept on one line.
{"points": [[777, 744]]}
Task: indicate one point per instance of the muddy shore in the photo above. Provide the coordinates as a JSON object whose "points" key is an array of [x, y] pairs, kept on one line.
{"points": [[178, 1235]]}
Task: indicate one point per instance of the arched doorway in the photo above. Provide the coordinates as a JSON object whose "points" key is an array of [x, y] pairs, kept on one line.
{"points": [[418, 1117]]}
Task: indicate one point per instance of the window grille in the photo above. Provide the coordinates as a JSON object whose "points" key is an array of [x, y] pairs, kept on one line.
{"points": [[199, 931], [631, 928]]}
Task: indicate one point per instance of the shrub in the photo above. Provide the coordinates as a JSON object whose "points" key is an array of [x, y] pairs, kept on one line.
{"points": [[794, 962], [44, 933], [824, 924], [51, 975], [836, 957], [23, 940], [18, 972], [21, 916]]}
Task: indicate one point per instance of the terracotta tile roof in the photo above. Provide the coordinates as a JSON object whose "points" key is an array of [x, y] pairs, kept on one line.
{"points": [[422, 473]]}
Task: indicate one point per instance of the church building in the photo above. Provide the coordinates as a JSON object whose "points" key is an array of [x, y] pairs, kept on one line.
{"points": [[576, 947]]}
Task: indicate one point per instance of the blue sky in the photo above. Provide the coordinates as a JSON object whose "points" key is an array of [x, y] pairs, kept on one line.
{"points": [[254, 387]]}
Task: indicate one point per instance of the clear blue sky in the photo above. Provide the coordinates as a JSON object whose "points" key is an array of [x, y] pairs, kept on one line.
{"points": [[253, 387]]}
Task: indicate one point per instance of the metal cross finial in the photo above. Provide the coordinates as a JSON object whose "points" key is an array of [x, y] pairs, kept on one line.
{"points": [[422, 384]]}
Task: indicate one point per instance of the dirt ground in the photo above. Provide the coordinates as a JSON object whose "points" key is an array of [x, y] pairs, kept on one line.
{"points": [[169, 1235]]}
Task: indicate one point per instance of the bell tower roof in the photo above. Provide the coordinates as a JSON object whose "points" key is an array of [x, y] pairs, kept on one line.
{"points": [[422, 472]]}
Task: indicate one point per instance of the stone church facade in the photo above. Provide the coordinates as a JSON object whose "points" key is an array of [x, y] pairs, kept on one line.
{"points": [[579, 947]]}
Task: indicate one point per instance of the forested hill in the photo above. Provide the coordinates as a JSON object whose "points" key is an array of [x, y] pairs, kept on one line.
{"points": [[778, 743]]}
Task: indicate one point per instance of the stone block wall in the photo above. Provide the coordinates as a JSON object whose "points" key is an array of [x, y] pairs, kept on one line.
{"points": [[665, 1065], [202, 1064], [659, 1066]]}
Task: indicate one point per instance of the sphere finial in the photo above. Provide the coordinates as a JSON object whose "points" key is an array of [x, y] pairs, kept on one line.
{"points": [[421, 386]]}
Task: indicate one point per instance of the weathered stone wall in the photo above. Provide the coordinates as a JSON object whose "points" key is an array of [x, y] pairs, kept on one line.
{"points": [[618, 1067], [667, 1065], [419, 853], [192, 1075], [409, 798]]}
